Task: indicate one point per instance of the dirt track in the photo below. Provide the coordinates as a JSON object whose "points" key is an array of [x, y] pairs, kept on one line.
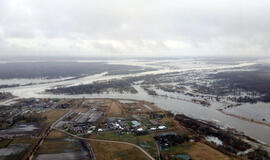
{"points": [[108, 141], [115, 108]]}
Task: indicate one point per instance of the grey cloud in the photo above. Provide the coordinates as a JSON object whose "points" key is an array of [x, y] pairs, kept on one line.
{"points": [[135, 28]]}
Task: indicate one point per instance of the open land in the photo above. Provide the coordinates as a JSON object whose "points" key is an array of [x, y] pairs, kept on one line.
{"points": [[207, 112], [116, 129]]}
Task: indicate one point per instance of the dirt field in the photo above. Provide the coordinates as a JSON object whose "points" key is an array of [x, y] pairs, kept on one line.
{"points": [[201, 151], [58, 146], [56, 134], [115, 108], [81, 109], [54, 115], [109, 151]]}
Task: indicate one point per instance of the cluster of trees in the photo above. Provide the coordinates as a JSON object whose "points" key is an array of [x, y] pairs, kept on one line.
{"points": [[9, 86], [32, 117], [171, 140], [171, 88], [249, 81], [149, 90], [99, 87], [5, 95], [230, 142]]}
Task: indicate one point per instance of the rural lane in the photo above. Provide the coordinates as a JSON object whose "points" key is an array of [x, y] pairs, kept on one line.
{"points": [[108, 141]]}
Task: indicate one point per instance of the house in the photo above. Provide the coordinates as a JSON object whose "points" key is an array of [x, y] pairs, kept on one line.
{"points": [[135, 124], [162, 127]]}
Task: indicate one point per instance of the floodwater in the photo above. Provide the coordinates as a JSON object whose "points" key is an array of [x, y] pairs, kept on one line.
{"points": [[20, 129], [259, 112], [127, 101], [63, 156], [13, 149], [254, 130]]}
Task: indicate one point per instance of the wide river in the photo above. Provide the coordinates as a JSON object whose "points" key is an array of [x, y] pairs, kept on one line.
{"points": [[254, 130]]}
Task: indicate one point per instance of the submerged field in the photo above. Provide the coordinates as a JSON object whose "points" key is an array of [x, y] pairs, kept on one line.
{"points": [[59, 146], [206, 90]]}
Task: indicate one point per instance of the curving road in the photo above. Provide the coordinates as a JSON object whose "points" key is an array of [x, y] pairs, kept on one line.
{"points": [[107, 141], [45, 135]]}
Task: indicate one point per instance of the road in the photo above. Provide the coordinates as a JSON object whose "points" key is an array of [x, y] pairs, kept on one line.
{"points": [[158, 152], [89, 139], [107, 141], [45, 135]]}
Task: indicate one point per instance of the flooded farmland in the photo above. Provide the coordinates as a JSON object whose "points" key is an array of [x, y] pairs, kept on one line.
{"points": [[175, 102]]}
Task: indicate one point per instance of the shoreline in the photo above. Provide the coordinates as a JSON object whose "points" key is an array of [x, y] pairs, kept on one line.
{"points": [[244, 118]]}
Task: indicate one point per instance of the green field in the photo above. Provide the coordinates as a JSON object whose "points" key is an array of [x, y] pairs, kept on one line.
{"points": [[111, 151], [146, 141]]}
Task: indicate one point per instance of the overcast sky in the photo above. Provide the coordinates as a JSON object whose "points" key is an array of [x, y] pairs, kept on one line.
{"points": [[134, 28]]}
